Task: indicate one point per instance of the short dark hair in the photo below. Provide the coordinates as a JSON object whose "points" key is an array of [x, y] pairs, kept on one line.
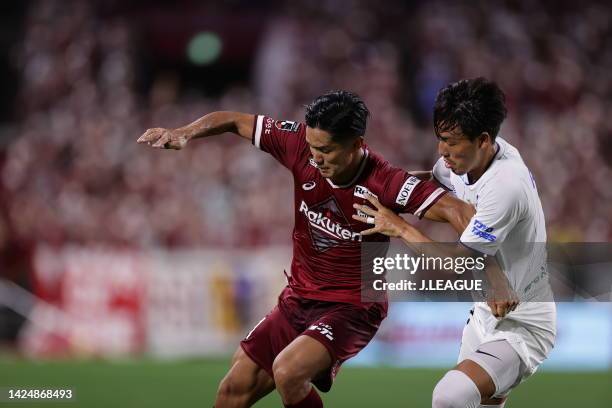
{"points": [[341, 113], [475, 105]]}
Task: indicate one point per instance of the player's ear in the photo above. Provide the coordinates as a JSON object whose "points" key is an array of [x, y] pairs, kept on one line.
{"points": [[358, 143], [484, 138]]}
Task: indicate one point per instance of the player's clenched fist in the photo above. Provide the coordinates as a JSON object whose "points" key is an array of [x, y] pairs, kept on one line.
{"points": [[162, 138]]}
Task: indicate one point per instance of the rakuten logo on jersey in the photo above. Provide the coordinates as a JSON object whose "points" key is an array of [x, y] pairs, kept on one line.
{"points": [[361, 191], [406, 190], [322, 223]]}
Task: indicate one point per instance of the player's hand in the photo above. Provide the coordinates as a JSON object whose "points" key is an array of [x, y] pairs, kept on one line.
{"points": [[385, 221], [502, 299], [161, 138]]}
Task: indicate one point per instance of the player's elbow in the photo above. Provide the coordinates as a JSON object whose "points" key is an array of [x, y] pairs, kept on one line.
{"points": [[243, 124], [465, 213]]}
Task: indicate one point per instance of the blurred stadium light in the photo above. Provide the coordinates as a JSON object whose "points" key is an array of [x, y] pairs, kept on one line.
{"points": [[204, 48]]}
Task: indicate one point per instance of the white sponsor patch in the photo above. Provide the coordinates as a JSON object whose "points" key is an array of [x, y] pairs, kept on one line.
{"points": [[406, 190], [361, 191], [287, 125]]}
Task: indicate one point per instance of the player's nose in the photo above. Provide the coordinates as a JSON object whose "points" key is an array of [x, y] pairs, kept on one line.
{"points": [[442, 150], [317, 158]]}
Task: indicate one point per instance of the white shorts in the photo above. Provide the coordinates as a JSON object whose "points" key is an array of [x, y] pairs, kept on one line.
{"points": [[530, 330]]}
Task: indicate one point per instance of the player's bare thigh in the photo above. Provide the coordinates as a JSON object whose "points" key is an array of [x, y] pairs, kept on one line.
{"points": [[297, 365], [244, 384]]}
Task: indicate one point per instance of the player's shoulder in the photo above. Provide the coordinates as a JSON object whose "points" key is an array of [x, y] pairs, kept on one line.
{"points": [[509, 159], [393, 185], [508, 169], [379, 168], [503, 190], [290, 126], [268, 125]]}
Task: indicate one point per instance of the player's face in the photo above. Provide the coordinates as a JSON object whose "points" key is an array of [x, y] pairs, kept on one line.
{"points": [[460, 154], [332, 158]]}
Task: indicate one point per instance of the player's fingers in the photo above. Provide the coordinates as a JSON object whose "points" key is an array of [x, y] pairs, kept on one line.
{"points": [[493, 306], [144, 137], [373, 200], [370, 231], [365, 209], [502, 309], [150, 135], [161, 142], [360, 218], [173, 145]]}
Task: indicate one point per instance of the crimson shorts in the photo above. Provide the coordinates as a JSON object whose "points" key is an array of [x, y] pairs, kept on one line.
{"points": [[343, 328]]}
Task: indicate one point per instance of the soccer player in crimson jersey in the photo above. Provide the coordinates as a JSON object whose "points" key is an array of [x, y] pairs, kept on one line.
{"points": [[320, 320]]}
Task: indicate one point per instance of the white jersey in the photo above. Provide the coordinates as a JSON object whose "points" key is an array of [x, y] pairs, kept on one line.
{"points": [[509, 224]]}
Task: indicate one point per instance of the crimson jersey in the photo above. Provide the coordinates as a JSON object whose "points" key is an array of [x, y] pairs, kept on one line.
{"points": [[327, 254]]}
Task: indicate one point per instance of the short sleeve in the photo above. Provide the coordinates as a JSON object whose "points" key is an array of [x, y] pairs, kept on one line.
{"points": [[405, 193], [282, 139], [442, 174], [497, 213]]}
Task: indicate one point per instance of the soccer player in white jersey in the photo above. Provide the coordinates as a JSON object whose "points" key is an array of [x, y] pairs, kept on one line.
{"points": [[501, 345]]}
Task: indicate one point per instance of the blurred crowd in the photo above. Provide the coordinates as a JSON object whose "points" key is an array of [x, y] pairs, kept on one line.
{"points": [[74, 174]]}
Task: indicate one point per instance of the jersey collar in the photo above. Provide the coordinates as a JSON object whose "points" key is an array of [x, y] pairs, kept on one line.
{"points": [[357, 175], [498, 149]]}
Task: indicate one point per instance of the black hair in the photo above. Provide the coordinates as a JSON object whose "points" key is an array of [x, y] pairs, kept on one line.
{"points": [[341, 113], [474, 105]]}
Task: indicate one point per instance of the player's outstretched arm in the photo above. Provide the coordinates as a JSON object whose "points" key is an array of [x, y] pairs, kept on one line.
{"points": [[214, 123]]}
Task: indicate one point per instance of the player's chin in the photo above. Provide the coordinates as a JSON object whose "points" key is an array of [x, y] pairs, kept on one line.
{"points": [[327, 173], [458, 170]]}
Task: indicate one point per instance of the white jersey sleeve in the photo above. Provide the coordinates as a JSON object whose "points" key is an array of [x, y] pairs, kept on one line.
{"points": [[499, 209], [442, 174]]}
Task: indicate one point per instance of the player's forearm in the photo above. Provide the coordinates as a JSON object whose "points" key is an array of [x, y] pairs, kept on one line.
{"points": [[452, 210], [216, 123], [421, 244]]}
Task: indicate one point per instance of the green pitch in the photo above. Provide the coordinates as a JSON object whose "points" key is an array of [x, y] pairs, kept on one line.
{"points": [[151, 384]]}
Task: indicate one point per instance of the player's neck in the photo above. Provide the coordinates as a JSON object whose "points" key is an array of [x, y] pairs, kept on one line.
{"points": [[475, 174], [351, 171]]}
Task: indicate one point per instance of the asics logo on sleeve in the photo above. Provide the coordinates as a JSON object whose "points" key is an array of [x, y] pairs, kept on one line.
{"points": [[309, 185]]}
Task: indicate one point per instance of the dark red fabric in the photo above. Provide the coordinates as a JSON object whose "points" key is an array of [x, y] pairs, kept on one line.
{"points": [[343, 328]]}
